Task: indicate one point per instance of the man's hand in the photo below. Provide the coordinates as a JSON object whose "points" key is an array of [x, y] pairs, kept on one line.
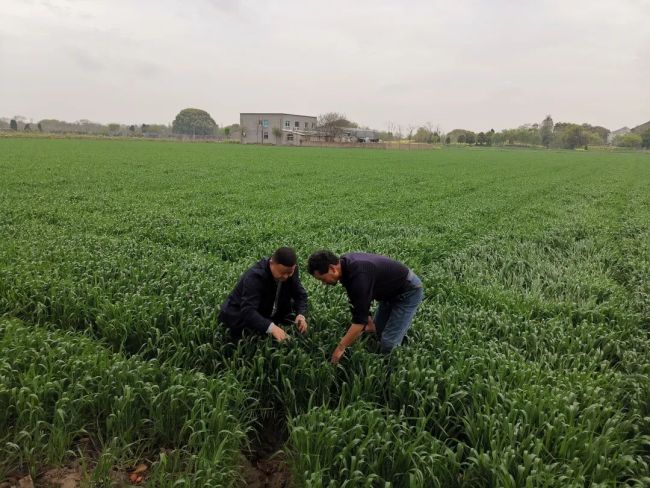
{"points": [[338, 354], [371, 326], [301, 322], [279, 334], [349, 338]]}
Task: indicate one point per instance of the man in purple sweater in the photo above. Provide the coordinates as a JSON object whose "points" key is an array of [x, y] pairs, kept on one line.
{"points": [[368, 277]]}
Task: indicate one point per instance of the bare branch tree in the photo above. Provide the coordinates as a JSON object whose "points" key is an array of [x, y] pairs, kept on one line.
{"points": [[410, 128], [332, 124]]}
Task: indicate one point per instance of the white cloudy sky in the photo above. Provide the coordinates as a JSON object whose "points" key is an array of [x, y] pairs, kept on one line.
{"points": [[476, 64]]}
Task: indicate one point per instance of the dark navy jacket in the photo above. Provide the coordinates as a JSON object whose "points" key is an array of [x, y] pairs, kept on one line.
{"points": [[250, 304], [367, 277]]}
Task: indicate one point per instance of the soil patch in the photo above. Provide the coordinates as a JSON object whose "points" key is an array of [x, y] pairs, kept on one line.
{"points": [[266, 465]]}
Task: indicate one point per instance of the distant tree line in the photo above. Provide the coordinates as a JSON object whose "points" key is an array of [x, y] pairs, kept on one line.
{"points": [[86, 127], [188, 122], [548, 134]]}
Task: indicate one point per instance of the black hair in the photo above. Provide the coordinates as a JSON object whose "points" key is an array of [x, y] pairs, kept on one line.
{"points": [[285, 256], [321, 260]]}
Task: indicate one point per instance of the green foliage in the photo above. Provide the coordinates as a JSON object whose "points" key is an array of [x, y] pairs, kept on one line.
{"points": [[363, 445], [528, 363], [460, 136], [423, 135], [13, 125], [194, 121], [574, 136], [599, 134], [645, 139], [629, 140], [571, 136], [525, 135], [113, 129], [427, 135], [548, 134], [277, 133], [484, 138]]}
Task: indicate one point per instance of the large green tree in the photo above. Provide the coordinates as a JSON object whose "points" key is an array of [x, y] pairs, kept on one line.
{"points": [[423, 134], [575, 136], [601, 132], [570, 135], [194, 121], [628, 140]]}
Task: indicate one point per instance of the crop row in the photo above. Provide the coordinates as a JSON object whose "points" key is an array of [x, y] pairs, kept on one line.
{"points": [[63, 395]]}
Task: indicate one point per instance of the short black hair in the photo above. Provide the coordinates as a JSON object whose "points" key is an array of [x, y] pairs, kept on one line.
{"points": [[285, 256], [321, 260]]}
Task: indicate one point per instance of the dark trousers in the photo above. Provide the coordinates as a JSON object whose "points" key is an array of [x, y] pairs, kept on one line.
{"points": [[393, 318]]}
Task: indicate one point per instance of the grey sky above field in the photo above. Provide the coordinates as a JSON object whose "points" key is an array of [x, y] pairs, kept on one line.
{"points": [[470, 64]]}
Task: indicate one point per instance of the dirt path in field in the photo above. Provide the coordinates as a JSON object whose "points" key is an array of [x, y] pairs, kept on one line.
{"points": [[70, 476], [266, 466], [267, 473]]}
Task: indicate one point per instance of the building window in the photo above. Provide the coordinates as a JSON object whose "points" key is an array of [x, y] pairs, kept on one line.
{"points": [[297, 125], [306, 124], [287, 124], [259, 122], [313, 125], [265, 123], [289, 137], [266, 135]]}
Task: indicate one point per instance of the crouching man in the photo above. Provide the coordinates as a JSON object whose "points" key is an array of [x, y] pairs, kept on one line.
{"points": [[267, 297], [368, 277]]}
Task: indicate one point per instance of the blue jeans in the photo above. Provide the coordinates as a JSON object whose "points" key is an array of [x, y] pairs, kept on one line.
{"points": [[393, 318]]}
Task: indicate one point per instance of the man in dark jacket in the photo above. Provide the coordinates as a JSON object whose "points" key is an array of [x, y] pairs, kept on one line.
{"points": [[266, 297], [368, 277]]}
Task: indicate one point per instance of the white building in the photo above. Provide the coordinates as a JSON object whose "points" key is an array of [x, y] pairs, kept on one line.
{"points": [[275, 128]]}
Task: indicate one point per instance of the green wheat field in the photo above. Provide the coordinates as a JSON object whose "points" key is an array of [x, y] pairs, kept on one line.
{"points": [[528, 363]]}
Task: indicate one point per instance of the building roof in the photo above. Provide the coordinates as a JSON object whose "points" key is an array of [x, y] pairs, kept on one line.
{"points": [[305, 132], [276, 113], [361, 133]]}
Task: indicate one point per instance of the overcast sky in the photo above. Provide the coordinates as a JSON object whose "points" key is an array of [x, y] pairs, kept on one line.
{"points": [[470, 64]]}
